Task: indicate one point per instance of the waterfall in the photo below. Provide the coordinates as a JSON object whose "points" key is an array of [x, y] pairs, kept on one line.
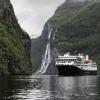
{"points": [[47, 56]]}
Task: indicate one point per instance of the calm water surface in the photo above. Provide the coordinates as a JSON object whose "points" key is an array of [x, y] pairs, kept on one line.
{"points": [[50, 88]]}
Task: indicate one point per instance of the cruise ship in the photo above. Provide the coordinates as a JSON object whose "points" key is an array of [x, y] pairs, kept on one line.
{"points": [[75, 65]]}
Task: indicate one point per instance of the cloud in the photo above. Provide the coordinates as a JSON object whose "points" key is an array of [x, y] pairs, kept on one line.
{"points": [[32, 14]]}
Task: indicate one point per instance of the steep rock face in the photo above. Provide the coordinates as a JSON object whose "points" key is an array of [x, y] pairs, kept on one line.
{"points": [[15, 44], [75, 27], [38, 48]]}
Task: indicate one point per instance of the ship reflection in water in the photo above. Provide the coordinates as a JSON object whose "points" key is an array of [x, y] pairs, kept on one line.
{"points": [[50, 88]]}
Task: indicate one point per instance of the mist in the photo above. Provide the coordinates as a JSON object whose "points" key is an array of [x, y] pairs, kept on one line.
{"points": [[32, 14]]}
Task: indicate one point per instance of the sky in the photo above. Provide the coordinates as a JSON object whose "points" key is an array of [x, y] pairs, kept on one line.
{"points": [[32, 14]]}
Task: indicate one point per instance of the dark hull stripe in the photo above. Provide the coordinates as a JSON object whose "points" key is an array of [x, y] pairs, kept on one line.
{"points": [[72, 71]]}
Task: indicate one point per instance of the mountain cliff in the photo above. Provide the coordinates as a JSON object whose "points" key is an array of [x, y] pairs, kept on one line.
{"points": [[14, 43], [75, 29], [38, 48]]}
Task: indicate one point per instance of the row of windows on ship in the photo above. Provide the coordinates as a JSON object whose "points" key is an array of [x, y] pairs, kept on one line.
{"points": [[64, 62]]}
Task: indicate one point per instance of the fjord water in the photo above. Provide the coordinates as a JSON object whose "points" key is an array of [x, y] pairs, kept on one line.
{"points": [[49, 88]]}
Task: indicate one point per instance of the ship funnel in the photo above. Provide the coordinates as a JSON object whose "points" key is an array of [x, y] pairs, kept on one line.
{"points": [[87, 57]]}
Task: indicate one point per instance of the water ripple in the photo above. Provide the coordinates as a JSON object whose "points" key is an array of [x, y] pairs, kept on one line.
{"points": [[50, 88]]}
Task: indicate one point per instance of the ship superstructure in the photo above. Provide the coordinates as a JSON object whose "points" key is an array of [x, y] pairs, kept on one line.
{"points": [[75, 64]]}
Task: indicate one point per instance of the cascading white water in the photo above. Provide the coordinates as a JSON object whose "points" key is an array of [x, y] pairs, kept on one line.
{"points": [[47, 57]]}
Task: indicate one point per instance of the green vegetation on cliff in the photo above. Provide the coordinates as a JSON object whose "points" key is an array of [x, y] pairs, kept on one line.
{"points": [[14, 43], [78, 31]]}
